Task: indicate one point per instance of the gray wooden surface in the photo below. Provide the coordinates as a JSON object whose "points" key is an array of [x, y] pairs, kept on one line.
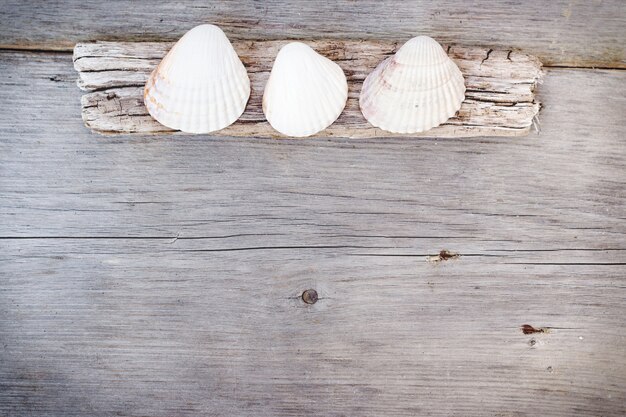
{"points": [[559, 32], [499, 96], [161, 275]]}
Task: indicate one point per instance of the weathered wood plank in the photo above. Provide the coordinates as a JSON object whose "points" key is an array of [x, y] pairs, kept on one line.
{"points": [[560, 32], [160, 275], [132, 328], [489, 181], [499, 98]]}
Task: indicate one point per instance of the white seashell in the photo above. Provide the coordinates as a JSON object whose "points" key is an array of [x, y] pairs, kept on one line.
{"points": [[305, 92], [414, 90], [200, 85]]}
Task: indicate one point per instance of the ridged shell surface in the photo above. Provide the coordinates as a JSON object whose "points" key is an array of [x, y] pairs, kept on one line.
{"points": [[414, 90], [305, 93], [201, 85]]}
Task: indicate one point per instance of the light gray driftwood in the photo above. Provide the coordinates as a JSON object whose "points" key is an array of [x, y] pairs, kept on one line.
{"points": [[559, 32], [160, 275], [500, 98]]}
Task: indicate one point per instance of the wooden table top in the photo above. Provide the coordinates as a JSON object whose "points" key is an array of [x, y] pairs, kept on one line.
{"points": [[162, 275]]}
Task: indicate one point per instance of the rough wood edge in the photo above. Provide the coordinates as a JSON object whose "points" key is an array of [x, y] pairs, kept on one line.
{"points": [[500, 98]]}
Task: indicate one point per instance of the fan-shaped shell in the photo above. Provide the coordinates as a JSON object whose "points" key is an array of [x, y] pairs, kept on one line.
{"points": [[305, 92], [414, 90], [200, 85]]}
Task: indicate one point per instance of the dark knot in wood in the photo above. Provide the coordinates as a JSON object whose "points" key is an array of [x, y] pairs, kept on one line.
{"points": [[528, 329]]}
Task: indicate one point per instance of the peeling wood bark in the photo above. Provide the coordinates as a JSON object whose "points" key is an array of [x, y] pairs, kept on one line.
{"points": [[500, 98]]}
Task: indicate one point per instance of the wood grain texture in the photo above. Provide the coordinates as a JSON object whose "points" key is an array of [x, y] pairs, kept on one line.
{"points": [[161, 275], [561, 32], [136, 328], [500, 99]]}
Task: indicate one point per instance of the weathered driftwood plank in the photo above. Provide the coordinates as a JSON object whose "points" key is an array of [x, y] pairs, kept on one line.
{"points": [[559, 32], [499, 100], [160, 275]]}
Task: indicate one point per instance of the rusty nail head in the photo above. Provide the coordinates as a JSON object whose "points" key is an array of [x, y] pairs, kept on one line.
{"points": [[309, 296]]}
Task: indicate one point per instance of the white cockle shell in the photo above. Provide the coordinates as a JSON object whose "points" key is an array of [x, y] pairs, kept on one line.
{"points": [[414, 90], [305, 93], [201, 85]]}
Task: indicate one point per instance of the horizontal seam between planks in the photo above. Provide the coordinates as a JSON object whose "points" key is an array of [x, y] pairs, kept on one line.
{"points": [[7, 48]]}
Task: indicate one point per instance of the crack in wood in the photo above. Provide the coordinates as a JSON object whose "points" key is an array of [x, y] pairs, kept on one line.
{"points": [[499, 101], [486, 57]]}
